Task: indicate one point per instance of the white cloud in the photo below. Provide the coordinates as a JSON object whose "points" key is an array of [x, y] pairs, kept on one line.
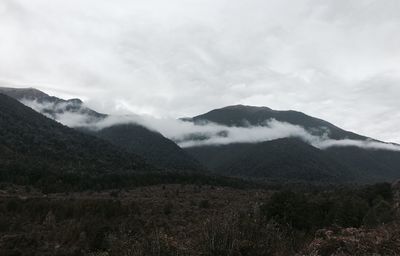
{"points": [[372, 145], [184, 133], [334, 59]]}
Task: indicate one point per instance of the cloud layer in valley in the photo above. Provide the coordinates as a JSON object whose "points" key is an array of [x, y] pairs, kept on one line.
{"points": [[188, 134], [334, 59]]}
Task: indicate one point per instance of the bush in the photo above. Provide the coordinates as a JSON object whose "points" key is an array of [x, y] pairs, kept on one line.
{"points": [[168, 208], [342, 207], [204, 204]]}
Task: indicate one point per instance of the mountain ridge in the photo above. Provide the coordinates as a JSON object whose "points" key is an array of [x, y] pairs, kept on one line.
{"points": [[155, 148], [29, 135], [282, 159], [252, 115], [362, 165]]}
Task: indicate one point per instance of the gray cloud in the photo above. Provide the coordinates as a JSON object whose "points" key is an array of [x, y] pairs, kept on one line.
{"points": [[335, 59]]}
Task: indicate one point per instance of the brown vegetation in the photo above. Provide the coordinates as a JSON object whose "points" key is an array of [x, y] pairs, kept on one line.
{"points": [[172, 220]]}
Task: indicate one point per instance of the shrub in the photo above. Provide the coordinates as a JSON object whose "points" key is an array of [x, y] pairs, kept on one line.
{"points": [[168, 208], [204, 204]]}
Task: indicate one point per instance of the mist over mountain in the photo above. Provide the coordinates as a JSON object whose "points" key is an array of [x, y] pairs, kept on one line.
{"points": [[31, 141], [249, 124], [151, 145], [199, 128], [132, 137], [233, 124], [245, 141], [337, 154], [245, 116], [51, 106]]}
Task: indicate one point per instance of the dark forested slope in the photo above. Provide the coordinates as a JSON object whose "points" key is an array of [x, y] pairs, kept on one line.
{"points": [[134, 138], [30, 140], [282, 160], [151, 145], [292, 159]]}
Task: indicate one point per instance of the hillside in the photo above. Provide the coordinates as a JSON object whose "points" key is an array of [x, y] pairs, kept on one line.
{"points": [[291, 159], [280, 160], [148, 144], [50, 105], [242, 116], [368, 165], [33, 143], [152, 146]]}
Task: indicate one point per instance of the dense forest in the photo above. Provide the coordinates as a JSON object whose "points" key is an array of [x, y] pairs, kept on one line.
{"points": [[31, 141]]}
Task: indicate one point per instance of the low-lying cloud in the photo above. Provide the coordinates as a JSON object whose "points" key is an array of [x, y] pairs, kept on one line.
{"points": [[69, 113], [188, 134]]}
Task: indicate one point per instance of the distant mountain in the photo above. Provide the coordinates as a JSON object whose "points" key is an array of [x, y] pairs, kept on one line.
{"points": [[50, 105], [291, 159], [288, 159], [134, 138], [242, 116], [29, 94], [30, 141]]}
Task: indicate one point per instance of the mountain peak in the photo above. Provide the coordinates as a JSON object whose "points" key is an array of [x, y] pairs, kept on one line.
{"points": [[245, 107], [24, 93], [76, 101], [56, 106], [243, 116], [34, 94]]}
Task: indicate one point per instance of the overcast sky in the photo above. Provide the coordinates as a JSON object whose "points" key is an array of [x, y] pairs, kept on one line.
{"points": [[334, 59]]}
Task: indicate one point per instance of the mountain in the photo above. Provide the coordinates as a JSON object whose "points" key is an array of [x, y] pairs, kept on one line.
{"points": [[50, 105], [28, 94], [30, 141], [290, 158], [151, 145], [134, 138], [242, 116], [281, 160], [368, 165]]}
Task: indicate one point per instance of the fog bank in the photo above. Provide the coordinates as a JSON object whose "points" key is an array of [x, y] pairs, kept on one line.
{"points": [[188, 134]]}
